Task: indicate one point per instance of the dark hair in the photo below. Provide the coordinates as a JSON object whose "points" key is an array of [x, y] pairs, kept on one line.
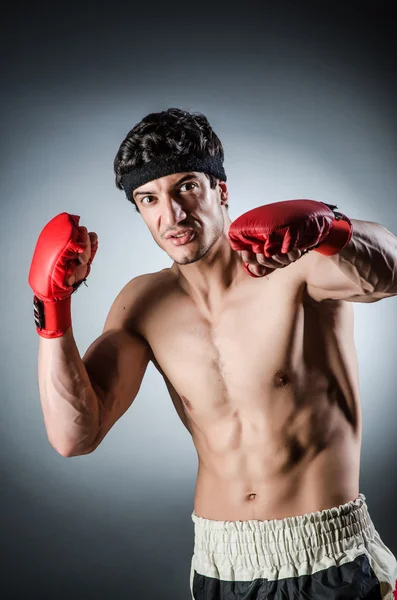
{"points": [[173, 131]]}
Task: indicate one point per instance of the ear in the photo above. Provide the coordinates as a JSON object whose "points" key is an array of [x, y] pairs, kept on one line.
{"points": [[224, 192]]}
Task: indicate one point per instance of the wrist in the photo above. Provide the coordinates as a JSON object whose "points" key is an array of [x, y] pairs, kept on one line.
{"points": [[53, 318]]}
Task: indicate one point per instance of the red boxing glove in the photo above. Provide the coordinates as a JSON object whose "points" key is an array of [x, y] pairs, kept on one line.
{"points": [[55, 258], [281, 227]]}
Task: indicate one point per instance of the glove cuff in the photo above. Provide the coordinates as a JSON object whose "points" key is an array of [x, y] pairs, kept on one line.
{"points": [[52, 318], [338, 237]]}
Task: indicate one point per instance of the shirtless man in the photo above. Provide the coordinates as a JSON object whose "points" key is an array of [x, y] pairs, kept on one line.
{"points": [[261, 369]]}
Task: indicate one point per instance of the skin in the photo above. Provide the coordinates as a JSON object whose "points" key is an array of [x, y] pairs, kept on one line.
{"points": [[262, 374]]}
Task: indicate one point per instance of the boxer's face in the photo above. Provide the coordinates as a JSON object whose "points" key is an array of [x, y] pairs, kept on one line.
{"points": [[183, 203]]}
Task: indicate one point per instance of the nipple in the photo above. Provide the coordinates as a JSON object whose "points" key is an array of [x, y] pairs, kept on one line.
{"points": [[281, 378]]}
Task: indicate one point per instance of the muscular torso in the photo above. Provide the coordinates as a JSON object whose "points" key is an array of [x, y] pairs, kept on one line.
{"points": [[267, 385]]}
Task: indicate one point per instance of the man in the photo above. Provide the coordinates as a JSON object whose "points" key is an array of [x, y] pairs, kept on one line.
{"points": [[252, 329]]}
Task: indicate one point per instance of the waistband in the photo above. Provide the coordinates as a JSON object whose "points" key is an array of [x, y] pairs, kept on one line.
{"points": [[333, 527]]}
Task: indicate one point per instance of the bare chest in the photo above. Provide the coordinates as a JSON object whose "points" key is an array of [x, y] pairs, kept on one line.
{"points": [[254, 344]]}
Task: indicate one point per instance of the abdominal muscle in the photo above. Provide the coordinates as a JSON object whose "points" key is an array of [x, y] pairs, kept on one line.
{"points": [[272, 475], [288, 447], [252, 484], [281, 454]]}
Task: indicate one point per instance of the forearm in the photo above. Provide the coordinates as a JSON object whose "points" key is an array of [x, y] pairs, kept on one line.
{"points": [[69, 402], [370, 258]]}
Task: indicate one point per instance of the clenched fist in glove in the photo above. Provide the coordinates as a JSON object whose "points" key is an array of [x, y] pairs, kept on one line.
{"points": [[274, 235], [61, 262]]}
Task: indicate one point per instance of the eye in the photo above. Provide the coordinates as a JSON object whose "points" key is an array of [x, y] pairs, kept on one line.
{"points": [[146, 198], [185, 186]]}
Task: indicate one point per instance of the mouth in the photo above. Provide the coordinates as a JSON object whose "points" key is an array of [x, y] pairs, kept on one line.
{"points": [[182, 238]]}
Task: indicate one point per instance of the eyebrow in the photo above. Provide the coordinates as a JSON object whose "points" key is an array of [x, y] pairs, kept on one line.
{"points": [[181, 180]]}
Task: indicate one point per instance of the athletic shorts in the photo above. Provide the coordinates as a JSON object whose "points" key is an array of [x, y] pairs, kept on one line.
{"points": [[331, 554]]}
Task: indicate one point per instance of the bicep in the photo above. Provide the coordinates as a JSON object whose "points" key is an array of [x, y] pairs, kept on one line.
{"points": [[116, 362]]}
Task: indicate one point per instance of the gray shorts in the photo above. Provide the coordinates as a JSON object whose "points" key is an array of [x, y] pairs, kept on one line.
{"points": [[335, 554]]}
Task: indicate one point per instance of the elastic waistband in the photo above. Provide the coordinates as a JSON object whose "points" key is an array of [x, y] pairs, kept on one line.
{"points": [[292, 534]]}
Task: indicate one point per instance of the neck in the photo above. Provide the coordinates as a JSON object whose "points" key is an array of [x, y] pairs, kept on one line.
{"points": [[209, 279]]}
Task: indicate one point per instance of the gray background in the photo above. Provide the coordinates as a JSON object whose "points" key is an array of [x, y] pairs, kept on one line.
{"points": [[303, 98]]}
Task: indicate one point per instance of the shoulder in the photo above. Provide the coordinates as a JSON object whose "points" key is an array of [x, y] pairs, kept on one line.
{"points": [[146, 286], [135, 299]]}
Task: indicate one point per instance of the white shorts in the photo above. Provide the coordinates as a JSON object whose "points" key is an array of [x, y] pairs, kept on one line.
{"points": [[334, 554]]}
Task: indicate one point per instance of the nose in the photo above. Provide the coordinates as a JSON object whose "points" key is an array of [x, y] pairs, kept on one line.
{"points": [[172, 212]]}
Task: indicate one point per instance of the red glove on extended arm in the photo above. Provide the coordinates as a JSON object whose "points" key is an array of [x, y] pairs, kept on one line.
{"points": [[55, 258], [281, 227]]}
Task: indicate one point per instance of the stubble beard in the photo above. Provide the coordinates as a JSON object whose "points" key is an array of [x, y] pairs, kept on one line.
{"points": [[203, 249]]}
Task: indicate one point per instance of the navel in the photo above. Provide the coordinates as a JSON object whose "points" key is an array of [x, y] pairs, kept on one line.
{"points": [[251, 497]]}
